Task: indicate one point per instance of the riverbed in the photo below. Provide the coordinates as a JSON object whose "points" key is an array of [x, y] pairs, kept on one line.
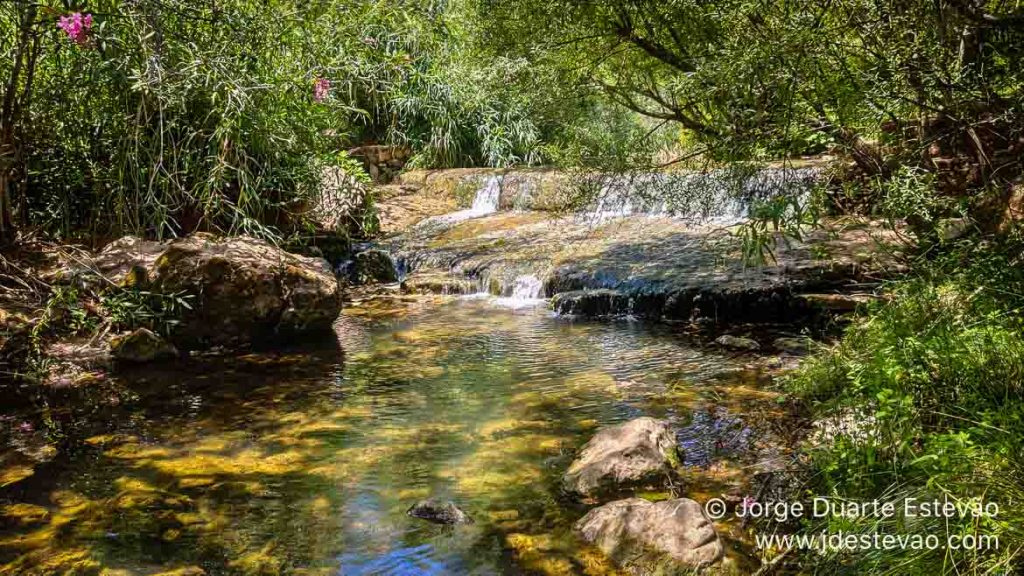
{"points": [[305, 461]]}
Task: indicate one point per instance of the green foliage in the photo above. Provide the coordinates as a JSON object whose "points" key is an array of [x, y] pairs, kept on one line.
{"points": [[910, 195], [131, 308], [781, 218], [933, 382], [175, 116], [613, 139], [73, 311], [64, 311], [887, 82]]}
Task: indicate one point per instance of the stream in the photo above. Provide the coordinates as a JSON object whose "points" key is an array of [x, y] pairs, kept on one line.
{"points": [[305, 461]]}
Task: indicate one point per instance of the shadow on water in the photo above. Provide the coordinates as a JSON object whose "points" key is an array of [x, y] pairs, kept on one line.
{"points": [[305, 461]]}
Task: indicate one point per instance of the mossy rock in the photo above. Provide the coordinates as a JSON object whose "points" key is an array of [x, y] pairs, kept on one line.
{"points": [[141, 345], [374, 266], [242, 290]]}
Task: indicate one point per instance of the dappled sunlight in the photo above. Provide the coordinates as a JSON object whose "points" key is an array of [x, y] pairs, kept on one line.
{"points": [[285, 467]]}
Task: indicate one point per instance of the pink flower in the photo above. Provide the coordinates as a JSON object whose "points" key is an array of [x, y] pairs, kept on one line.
{"points": [[76, 26], [321, 87]]}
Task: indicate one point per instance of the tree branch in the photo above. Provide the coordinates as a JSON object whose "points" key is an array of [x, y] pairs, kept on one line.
{"points": [[627, 31]]}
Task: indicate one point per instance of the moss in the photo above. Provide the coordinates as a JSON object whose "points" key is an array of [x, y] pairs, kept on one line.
{"points": [[257, 563], [674, 459]]}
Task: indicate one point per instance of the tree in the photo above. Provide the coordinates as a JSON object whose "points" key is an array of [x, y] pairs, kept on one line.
{"points": [[21, 20], [753, 78]]}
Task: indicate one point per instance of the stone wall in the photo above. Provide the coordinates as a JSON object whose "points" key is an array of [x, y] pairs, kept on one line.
{"points": [[382, 163]]}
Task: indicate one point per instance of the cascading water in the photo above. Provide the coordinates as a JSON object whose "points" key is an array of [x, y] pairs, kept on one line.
{"points": [[486, 199], [526, 292], [485, 202], [719, 197], [503, 258]]}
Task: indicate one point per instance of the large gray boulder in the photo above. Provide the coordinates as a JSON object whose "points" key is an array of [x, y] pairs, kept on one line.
{"points": [[239, 290], [667, 537], [636, 453]]}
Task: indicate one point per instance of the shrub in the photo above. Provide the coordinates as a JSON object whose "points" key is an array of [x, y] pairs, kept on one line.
{"points": [[935, 376]]}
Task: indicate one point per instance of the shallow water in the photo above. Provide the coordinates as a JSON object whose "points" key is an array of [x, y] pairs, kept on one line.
{"points": [[305, 462]]}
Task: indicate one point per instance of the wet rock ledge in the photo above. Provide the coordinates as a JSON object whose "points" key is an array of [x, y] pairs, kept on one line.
{"points": [[646, 267]]}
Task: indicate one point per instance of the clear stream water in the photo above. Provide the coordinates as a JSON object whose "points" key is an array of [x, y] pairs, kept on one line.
{"points": [[305, 461]]}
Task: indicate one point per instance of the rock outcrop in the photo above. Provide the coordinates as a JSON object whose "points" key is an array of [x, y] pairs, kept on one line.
{"points": [[667, 537], [636, 453], [649, 267], [374, 265], [240, 290]]}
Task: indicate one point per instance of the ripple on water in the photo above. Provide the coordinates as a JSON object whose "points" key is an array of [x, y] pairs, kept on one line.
{"points": [[310, 460]]}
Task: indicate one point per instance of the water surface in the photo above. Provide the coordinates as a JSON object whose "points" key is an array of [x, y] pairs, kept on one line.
{"points": [[305, 462]]}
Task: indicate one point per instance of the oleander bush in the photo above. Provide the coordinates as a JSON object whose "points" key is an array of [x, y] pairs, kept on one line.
{"points": [[161, 118]]}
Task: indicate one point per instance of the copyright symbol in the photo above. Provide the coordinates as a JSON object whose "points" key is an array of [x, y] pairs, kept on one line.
{"points": [[715, 508]]}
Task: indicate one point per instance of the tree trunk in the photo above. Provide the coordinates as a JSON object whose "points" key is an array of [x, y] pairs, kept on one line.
{"points": [[10, 159]]}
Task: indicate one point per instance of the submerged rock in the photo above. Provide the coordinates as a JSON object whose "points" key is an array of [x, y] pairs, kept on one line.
{"points": [[374, 266], [667, 537], [635, 453], [737, 342], [437, 283], [439, 512], [141, 345], [792, 345]]}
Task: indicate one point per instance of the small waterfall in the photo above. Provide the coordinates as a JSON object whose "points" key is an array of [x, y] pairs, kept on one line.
{"points": [[486, 199], [717, 197], [527, 287], [485, 202], [526, 292]]}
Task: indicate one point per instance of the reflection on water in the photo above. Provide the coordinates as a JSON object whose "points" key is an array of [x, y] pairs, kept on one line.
{"points": [[306, 462]]}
